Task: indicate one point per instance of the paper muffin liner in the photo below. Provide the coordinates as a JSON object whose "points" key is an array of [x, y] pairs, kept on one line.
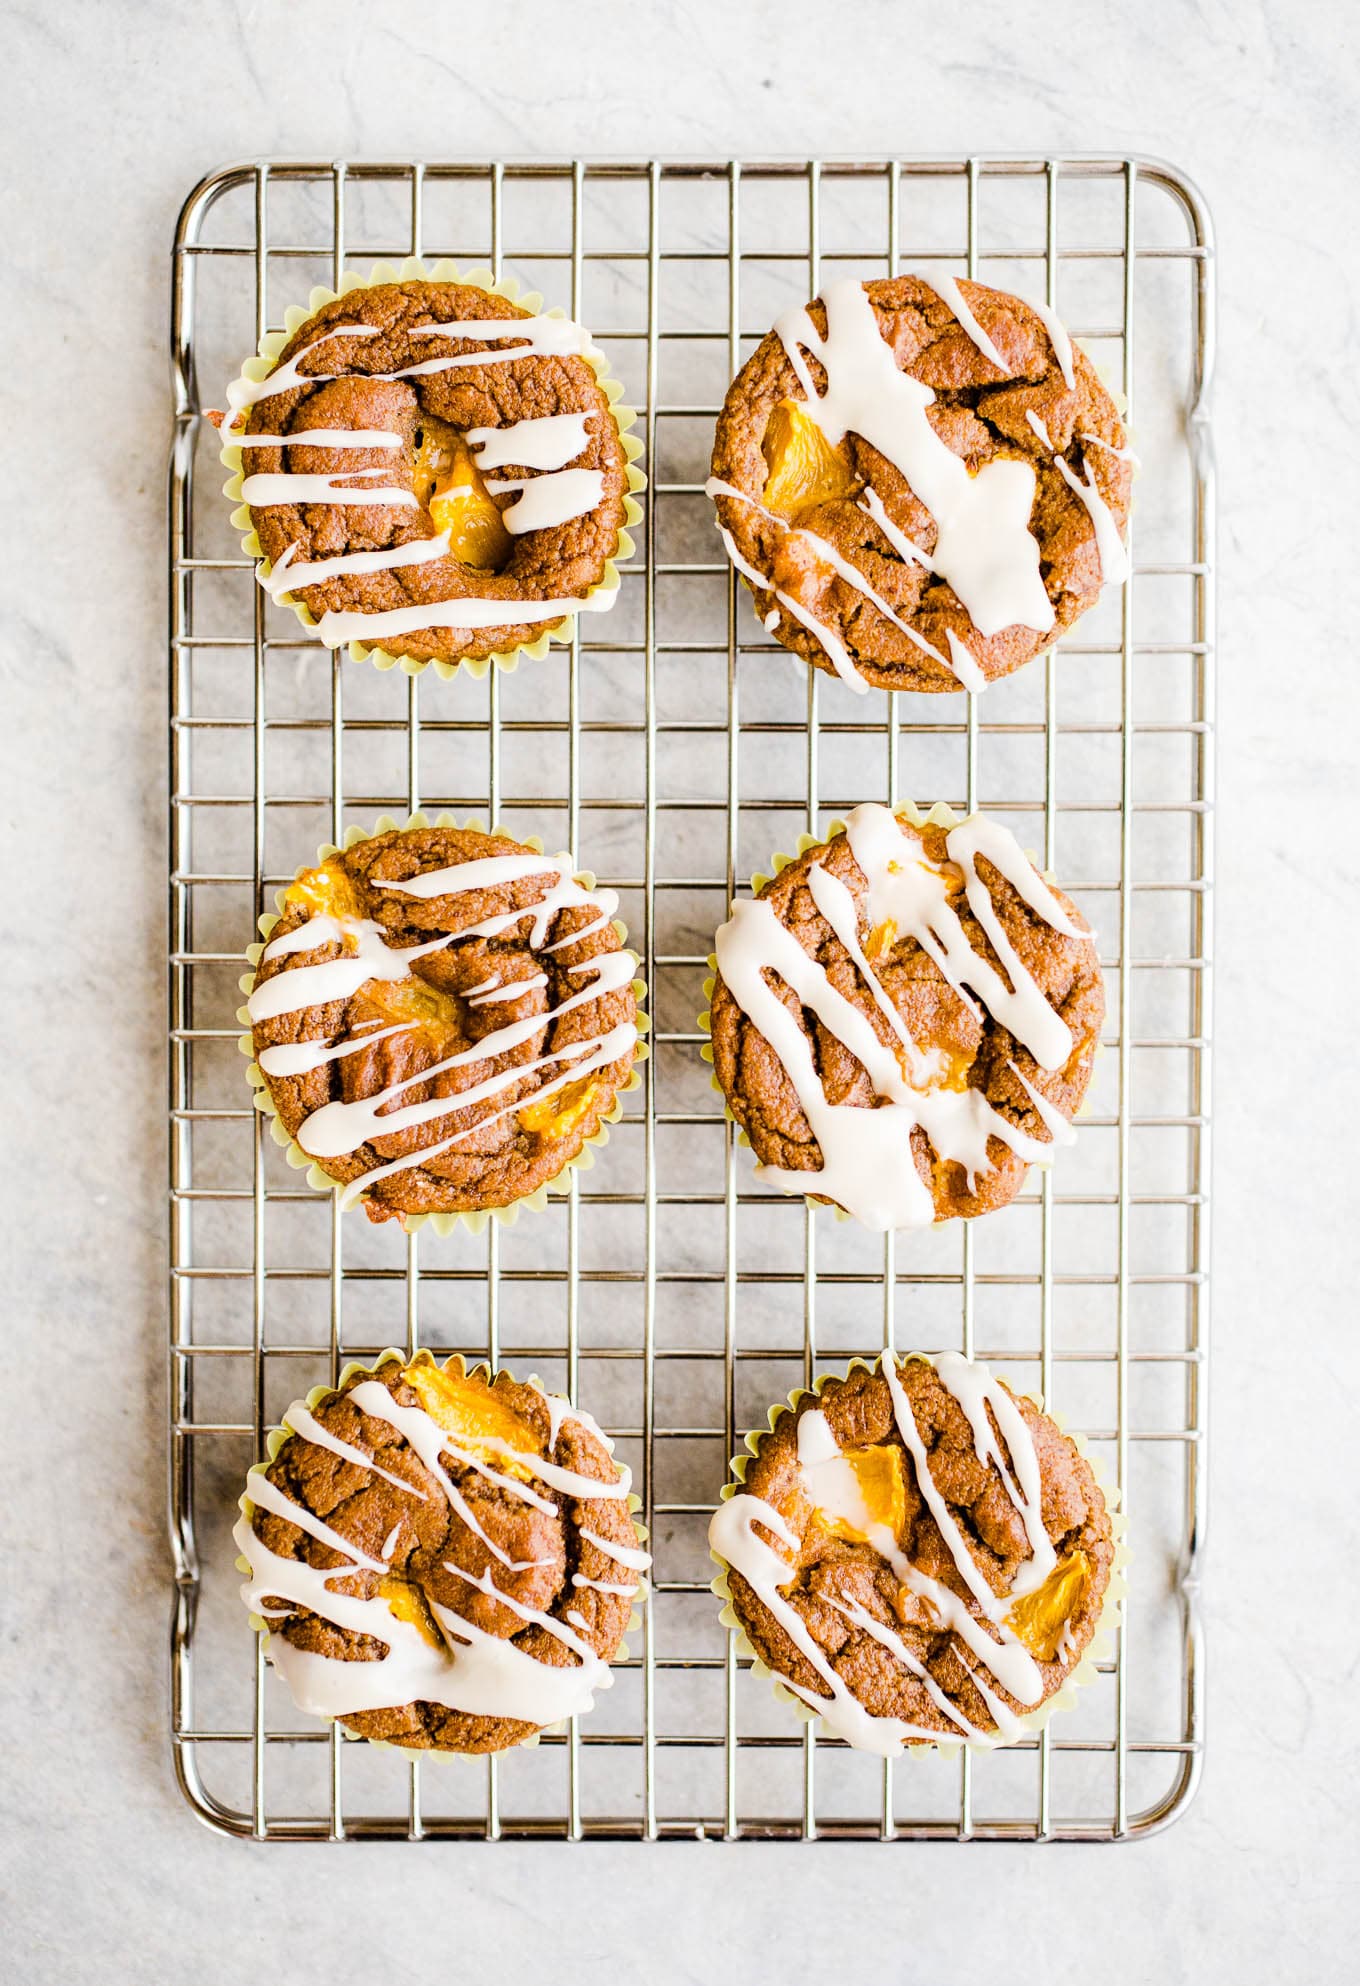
{"points": [[474, 1220], [1033, 1721], [940, 815], [625, 418], [274, 1441]]}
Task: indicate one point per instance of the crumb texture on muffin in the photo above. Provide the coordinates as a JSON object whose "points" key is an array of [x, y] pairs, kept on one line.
{"points": [[442, 1560], [443, 1017], [923, 481], [905, 1018], [919, 1554], [431, 468]]}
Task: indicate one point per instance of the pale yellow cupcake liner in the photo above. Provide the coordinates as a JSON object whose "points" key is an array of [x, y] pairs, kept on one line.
{"points": [[625, 418], [1034, 1721], [940, 815], [274, 1441], [474, 1221]]}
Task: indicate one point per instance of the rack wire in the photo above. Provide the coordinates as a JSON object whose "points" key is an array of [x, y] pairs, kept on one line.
{"points": [[668, 1291]]}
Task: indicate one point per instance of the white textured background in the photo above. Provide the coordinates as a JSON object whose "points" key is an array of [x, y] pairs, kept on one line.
{"points": [[111, 112]]}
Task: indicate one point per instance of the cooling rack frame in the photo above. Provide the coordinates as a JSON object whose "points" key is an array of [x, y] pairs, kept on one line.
{"points": [[198, 1017]]}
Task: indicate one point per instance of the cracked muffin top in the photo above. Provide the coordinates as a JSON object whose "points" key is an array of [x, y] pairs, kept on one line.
{"points": [[918, 1554], [442, 1560], [442, 1017], [923, 481], [905, 1018], [432, 468]]}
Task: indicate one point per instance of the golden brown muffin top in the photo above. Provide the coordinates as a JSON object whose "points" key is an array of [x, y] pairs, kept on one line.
{"points": [[929, 1549], [443, 1017], [344, 386], [977, 1059], [835, 525], [425, 1526]]}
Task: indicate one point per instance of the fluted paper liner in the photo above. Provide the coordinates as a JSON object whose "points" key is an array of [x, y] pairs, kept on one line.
{"points": [[1033, 1721], [940, 815], [275, 1440], [474, 1220], [624, 417]]}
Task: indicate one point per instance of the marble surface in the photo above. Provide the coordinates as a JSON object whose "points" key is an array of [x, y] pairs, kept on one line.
{"points": [[113, 111]]}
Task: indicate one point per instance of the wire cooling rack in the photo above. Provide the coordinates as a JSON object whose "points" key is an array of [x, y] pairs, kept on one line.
{"points": [[673, 747]]}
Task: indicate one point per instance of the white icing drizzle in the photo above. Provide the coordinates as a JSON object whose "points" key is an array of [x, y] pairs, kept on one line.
{"points": [[841, 659], [845, 665], [501, 996], [490, 871], [603, 1586], [428, 1440], [1059, 338], [288, 486], [299, 1058], [831, 1485], [467, 614], [1123, 454], [547, 501], [965, 664], [243, 394], [1060, 1129], [1036, 421], [532, 1616], [335, 979], [613, 1047], [568, 1482], [559, 337], [973, 1386], [569, 493], [733, 1537], [1008, 1724], [509, 1484], [287, 573], [630, 1555], [871, 503], [548, 441], [322, 438], [268, 1496], [868, 1166], [854, 577], [472, 1671], [302, 1421], [1114, 560], [339, 1128], [947, 289], [984, 547]]}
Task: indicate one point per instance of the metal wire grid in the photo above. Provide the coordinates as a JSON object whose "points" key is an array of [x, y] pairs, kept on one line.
{"points": [[645, 1790]]}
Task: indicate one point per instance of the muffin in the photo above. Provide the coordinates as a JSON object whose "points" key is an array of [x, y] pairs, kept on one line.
{"points": [[905, 1017], [441, 1018], [923, 481], [917, 1554], [431, 467], [440, 1560]]}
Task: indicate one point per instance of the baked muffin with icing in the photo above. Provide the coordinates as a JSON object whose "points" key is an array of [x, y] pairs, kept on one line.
{"points": [[441, 1560], [918, 1554], [434, 469], [905, 1017], [442, 1018], [923, 482]]}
